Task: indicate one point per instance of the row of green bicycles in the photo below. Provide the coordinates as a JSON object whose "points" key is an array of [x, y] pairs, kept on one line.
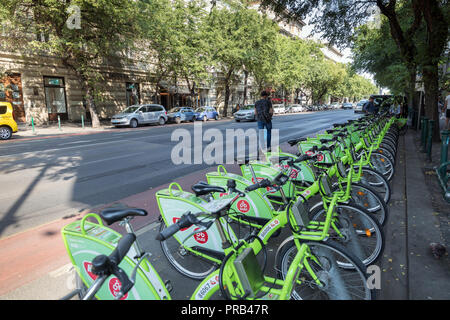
{"points": [[327, 204]]}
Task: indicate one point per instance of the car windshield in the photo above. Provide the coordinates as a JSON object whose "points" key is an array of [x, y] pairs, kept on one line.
{"points": [[200, 109], [175, 109], [131, 109], [248, 107]]}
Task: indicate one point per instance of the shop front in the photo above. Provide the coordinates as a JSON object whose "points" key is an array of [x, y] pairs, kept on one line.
{"points": [[11, 91]]}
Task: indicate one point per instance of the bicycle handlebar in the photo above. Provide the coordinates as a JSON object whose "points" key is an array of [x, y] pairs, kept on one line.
{"points": [[261, 184], [103, 266], [187, 220]]}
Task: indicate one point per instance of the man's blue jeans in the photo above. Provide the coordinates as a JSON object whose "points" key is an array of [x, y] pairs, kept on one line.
{"points": [[268, 127]]}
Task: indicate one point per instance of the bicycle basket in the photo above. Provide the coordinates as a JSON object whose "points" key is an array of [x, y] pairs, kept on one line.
{"points": [[325, 185], [341, 170], [300, 213]]}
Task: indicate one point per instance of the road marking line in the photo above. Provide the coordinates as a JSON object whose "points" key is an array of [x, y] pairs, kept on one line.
{"points": [[107, 159], [147, 228], [81, 141], [56, 149], [65, 269]]}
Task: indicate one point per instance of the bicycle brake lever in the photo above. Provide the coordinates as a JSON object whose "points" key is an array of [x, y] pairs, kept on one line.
{"points": [[204, 227], [134, 272]]}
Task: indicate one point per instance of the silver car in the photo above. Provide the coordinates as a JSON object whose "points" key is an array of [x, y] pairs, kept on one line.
{"points": [[140, 114], [297, 108], [246, 113]]}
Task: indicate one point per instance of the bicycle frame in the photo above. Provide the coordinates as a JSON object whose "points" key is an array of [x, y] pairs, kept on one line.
{"points": [[84, 240], [210, 285]]}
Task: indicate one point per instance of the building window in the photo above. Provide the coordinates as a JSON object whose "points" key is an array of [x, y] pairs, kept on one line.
{"points": [[55, 98], [133, 94]]}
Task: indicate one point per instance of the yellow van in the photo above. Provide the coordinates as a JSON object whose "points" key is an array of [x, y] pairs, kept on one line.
{"points": [[7, 123]]}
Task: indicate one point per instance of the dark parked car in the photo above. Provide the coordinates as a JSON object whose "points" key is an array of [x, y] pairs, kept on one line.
{"points": [[206, 113]]}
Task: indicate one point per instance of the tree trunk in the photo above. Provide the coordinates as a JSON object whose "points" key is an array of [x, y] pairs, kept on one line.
{"points": [[227, 97], [91, 107], [431, 85], [412, 88], [227, 92], [245, 87], [90, 104], [437, 33]]}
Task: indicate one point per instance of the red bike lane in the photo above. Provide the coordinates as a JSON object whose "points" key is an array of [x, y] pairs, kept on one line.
{"points": [[29, 255]]}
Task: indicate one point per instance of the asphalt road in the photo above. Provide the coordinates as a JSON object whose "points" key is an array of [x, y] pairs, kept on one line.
{"points": [[46, 179]]}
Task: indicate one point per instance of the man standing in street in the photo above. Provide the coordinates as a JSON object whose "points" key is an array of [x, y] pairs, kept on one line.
{"points": [[264, 113], [370, 107]]}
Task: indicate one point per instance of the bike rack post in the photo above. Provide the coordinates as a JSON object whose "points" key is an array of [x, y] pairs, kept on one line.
{"points": [[444, 149], [423, 139], [429, 143], [441, 171], [32, 125]]}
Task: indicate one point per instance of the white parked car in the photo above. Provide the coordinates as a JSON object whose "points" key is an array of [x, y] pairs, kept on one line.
{"points": [[335, 105], [246, 113], [278, 108], [297, 108], [359, 106]]}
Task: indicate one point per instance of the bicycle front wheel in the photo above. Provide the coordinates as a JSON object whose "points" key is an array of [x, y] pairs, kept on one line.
{"points": [[185, 261], [382, 164], [356, 230], [335, 282], [377, 182]]}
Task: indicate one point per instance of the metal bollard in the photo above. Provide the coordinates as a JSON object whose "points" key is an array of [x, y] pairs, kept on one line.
{"points": [[441, 171], [423, 139], [59, 123], [82, 121], [429, 143], [422, 121], [32, 125], [444, 151]]}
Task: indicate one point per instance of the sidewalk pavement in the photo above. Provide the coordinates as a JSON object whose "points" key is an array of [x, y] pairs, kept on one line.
{"points": [[35, 266], [418, 217], [26, 131]]}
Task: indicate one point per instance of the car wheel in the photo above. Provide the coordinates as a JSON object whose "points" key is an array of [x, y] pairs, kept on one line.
{"points": [[133, 123], [237, 120], [162, 121], [177, 120], [5, 133], [216, 117], [205, 119]]}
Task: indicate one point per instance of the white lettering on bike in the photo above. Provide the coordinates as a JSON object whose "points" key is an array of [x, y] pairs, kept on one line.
{"points": [[211, 283], [268, 228]]}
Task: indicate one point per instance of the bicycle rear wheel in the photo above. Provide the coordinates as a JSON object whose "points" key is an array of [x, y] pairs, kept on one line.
{"points": [[336, 283]]}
